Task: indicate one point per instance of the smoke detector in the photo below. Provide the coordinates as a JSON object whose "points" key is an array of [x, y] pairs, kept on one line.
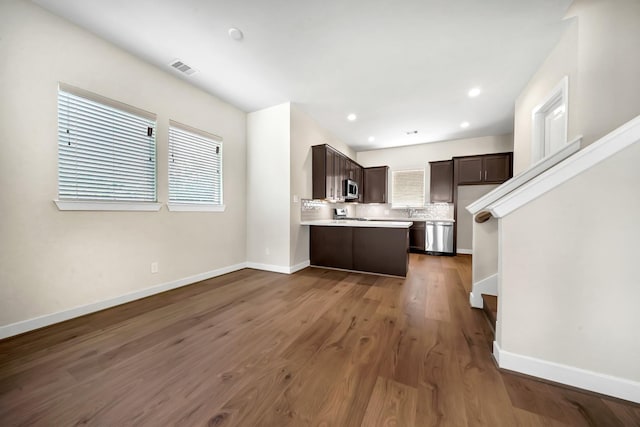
{"points": [[182, 67]]}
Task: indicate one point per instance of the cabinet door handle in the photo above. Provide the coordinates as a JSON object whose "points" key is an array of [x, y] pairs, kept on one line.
{"points": [[480, 178], [485, 175]]}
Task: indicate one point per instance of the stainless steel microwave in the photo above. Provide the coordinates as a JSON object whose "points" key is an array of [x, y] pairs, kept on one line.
{"points": [[350, 189]]}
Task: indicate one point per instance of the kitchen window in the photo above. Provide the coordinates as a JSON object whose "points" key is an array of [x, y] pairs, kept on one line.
{"points": [[106, 153], [407, 188], [195, 169]]}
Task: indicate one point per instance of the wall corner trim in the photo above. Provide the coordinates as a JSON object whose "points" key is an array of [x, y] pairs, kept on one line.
{"points": [[569, 375], [50, 319], [278, 268], [610, 144]]}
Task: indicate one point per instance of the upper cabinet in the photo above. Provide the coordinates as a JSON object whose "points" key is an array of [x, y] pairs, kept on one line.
{"points": [[484, 169], [441, 188], [375, 184], [330, 169]]}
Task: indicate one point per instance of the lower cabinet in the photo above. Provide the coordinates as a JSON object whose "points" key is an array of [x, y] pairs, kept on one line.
{"points": [[417, 236], [331, 246], [370, 249]]}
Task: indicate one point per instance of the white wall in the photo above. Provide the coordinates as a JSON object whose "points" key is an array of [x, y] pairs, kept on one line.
{"points": [[569, 273], [268, 182], [562, 61], [419, 156], [468, 194], [51, 261], [485, 249], [305, 133], [599, 53], [567, 263]]}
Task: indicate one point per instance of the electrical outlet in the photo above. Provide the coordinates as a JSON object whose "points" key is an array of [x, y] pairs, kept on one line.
{"points": [[154, 267]]}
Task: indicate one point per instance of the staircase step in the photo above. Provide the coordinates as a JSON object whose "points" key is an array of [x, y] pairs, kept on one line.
{"points": [[490, 308]]}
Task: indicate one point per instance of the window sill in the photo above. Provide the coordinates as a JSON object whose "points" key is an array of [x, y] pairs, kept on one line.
{"points": [[93, 205], [194, 207]]}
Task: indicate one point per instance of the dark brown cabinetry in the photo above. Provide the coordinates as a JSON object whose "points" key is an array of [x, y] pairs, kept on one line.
{"points": [[372, 249], [441, 187], [331, 247], [417, 236], [485, 169], [375, 184], [329, 169]]}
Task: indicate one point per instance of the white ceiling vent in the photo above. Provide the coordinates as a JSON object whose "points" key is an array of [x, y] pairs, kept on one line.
{"points": [[182, 67]]}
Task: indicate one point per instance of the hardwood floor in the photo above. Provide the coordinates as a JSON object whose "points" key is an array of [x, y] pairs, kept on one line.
{"points": [[319, 347]]}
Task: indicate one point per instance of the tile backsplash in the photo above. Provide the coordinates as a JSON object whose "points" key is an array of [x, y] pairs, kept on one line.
{"points": [[320, 209], [430, 211]]}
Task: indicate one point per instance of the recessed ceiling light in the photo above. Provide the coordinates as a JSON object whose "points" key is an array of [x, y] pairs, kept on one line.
{"points": [[236, 34], [474, 92], [371, 139], [352, 117], [464, 125]]}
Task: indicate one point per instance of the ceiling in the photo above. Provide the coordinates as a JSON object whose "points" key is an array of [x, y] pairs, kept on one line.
{"points": [[400, 66]]}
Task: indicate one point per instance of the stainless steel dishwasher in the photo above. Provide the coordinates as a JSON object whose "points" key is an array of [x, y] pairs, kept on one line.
{"points": [[439, 237]]}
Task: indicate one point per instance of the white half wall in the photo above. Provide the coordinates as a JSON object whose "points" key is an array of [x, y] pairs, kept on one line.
{"points": [[568, 273]]}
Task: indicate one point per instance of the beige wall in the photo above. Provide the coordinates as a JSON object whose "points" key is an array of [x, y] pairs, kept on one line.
{"points": [[268, 178], [569, 272], [305, 133], [599, 53], [567, 260], [608, 65], [562, 61], [468, 194], [50, 260]]}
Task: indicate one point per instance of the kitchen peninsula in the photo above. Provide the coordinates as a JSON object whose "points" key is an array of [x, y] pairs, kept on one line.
{"points": [[369, 246]]}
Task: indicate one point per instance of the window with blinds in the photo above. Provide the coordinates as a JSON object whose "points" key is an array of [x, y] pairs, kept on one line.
{"points": [[407, 188], [106, 150], [195, 167]]}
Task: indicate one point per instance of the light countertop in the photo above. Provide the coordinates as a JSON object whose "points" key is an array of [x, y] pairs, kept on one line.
{"points": [[416, 219], [354, 223]]}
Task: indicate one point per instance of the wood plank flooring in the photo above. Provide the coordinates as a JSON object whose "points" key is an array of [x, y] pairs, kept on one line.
{"points": [[316, 348]]}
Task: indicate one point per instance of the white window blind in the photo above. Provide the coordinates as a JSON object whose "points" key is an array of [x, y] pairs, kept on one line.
{"points": [[105, 153], [195, 166], [407, 188]]}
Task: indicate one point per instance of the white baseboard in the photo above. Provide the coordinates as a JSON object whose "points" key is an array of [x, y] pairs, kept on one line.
{"points": [[488, 286], [464, 251], [269, 267], [569, 375], [49, 319], [278, 268], [300, 266]]}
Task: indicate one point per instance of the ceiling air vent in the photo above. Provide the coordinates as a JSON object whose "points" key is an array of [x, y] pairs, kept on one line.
{"points": [[182, 67]]}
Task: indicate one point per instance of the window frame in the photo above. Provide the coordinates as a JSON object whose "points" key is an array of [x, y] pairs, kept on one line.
{"points": [[77, 204], [424, 197], [194, 206]]}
